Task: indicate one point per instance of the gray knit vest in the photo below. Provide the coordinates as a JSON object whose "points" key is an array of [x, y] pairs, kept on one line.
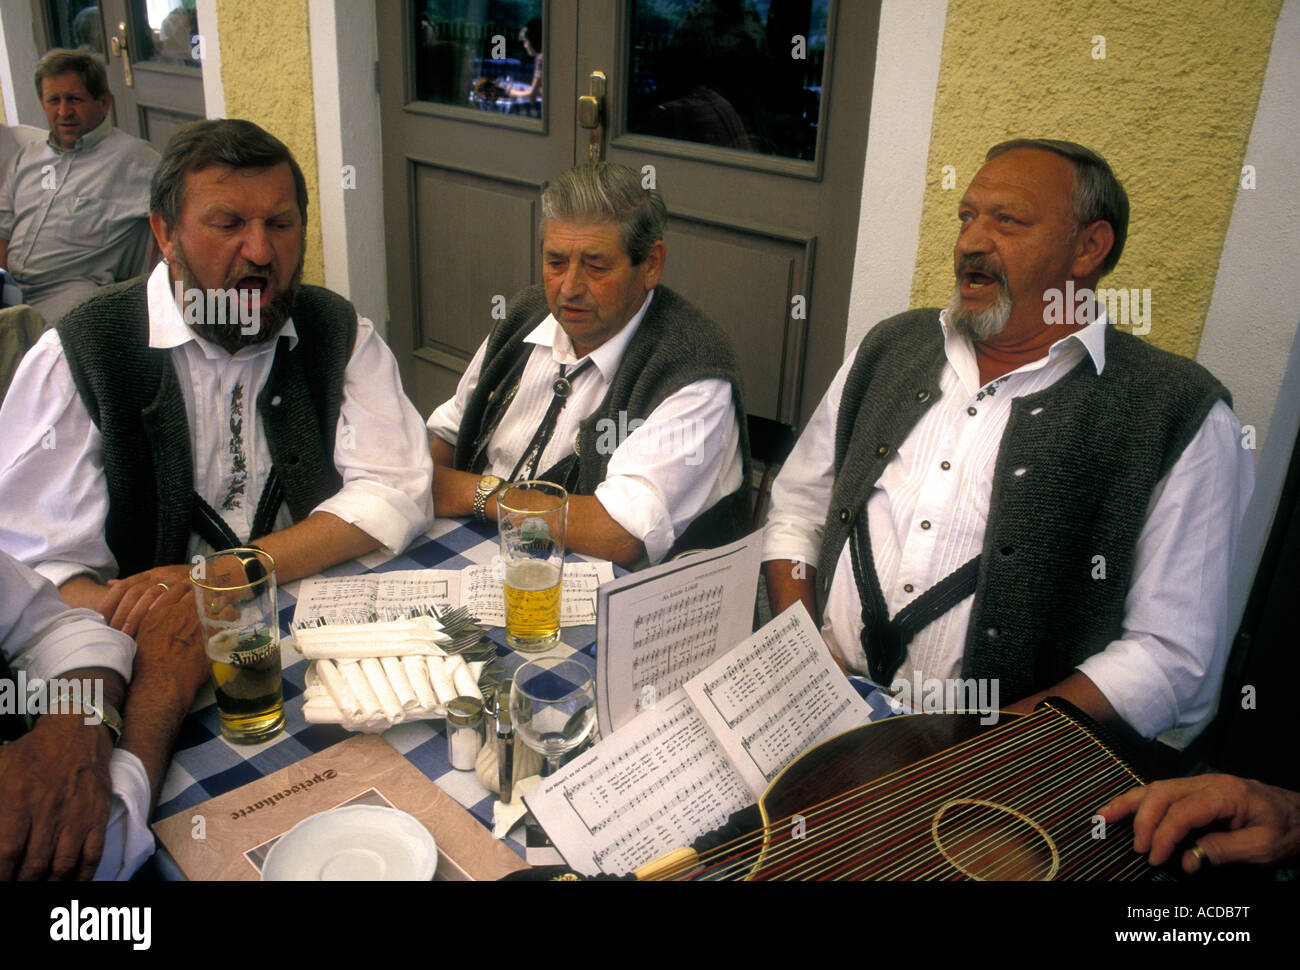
{"points": [[134, 397], [1074, 476], [674, 346]]}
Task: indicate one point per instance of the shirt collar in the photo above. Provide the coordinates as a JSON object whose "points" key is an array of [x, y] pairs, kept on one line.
{"points": [[606, 357], [167, 328], [961, 352], [87, 141]]}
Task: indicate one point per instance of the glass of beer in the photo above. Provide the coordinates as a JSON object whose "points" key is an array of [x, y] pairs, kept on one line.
{"points": [[234, 592], [533, 517]]}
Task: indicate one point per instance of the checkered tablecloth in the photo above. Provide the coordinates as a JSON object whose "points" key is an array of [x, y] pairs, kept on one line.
{"points": [[206, 765]]}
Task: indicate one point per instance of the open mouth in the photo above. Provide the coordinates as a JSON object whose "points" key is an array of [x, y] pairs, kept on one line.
{"points": [[253, 283]]}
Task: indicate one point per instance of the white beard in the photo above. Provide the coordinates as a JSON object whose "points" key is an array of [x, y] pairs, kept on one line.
{"points": [[982, 324]]}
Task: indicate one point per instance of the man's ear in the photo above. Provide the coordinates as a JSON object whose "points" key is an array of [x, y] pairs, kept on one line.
{"points": [[1091, 247], [162, 234], [653, 264]]}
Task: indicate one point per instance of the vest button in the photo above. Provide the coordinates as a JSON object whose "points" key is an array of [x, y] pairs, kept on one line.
{"points": [[991, 633], [1020, 472], [826, 584], [275, 401], [293, 460], [882, 449], [1008, 551], [844, 515], [1036, 411], [908, 587], [923, 396], [925, 523]]}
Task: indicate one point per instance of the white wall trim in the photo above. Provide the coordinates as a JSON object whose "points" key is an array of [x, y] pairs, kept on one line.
{"points": [[898, 148], [18, 57], [344, 45], [1251, 341], [214, 91]]}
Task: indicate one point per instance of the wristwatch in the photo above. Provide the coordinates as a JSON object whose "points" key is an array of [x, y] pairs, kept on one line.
{"points": [[486, 486], [69, 699]]}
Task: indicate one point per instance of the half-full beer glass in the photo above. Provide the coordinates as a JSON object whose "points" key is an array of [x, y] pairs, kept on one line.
{"points": [[533, 518], [234, 592]]}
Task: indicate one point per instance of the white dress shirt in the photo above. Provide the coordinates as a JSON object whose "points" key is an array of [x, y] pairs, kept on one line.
{"points": [[1164, 671], [684, 459], [52, 483], [40, 635]]}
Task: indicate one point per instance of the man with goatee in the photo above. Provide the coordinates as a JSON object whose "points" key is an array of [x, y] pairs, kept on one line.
{"points": [[216, 403], [1002, 491]]}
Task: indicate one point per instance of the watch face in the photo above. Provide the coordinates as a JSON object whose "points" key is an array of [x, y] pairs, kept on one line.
{"points": [[489, 483]]}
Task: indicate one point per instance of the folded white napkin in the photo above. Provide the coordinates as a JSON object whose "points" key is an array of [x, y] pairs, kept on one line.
{"points": [[420, 635], [372, 694]]}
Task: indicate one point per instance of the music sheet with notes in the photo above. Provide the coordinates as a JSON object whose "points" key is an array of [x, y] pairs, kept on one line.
{"points": [[352, 599], [681, 769], [775, 697], [659, 627]]}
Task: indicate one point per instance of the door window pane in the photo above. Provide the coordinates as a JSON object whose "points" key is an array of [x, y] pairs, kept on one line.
{"points": [[485, 54], [76, 25], [166, 31], [743, 74]]}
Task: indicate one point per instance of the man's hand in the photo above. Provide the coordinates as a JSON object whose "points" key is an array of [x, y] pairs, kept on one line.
{"points": [[56, 799], [128, 600], [1263, 822], [170, 667]]}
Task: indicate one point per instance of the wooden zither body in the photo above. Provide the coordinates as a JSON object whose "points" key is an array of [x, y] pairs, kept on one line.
{"points": [[941, 797]]}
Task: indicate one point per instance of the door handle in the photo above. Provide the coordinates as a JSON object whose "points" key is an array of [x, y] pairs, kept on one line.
{"points": [[120, 49], [591, 115]]}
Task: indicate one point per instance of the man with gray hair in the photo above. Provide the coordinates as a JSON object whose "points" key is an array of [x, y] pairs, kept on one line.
{"points": [[1001, 492], [74, 208], [606, 382]]}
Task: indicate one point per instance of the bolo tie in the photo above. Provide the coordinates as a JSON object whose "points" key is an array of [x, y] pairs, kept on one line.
{"points": [[560, 390]]}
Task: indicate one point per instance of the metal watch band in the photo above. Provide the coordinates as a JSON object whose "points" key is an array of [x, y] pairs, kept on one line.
{"points": [[108, 715]]}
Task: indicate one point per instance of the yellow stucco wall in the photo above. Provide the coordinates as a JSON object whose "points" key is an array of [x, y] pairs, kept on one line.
{"points": [[1170, 107], [266, 74]]}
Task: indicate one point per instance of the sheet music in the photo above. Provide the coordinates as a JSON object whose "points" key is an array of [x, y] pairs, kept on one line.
{"points": [[352, 599], [659, 627], [775, 696], [483, 595], [610, 810]]}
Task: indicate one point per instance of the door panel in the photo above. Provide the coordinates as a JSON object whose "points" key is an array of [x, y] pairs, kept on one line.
{"points": [[747, 210]]}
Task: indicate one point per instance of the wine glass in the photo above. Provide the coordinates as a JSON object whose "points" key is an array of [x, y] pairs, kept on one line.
{"points": [[553, 706]]}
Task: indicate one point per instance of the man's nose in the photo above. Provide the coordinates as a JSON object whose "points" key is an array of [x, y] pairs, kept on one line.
{"points": [[973, 238], [256, 247], [574, 280]]}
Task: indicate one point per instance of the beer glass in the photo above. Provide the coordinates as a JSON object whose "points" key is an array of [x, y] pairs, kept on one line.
{"points": [[532, 517], [234, 592]]}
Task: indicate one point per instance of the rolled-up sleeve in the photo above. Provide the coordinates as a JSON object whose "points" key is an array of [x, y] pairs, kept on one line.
{"points": [[381, 450], [683, 459], [801, 494], [1166, 668]]}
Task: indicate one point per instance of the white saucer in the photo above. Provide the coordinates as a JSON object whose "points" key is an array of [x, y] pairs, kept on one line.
{"points": [[354, 843]]}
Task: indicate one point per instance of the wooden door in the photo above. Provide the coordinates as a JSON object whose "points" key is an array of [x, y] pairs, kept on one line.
{"points": [[759, 159]]}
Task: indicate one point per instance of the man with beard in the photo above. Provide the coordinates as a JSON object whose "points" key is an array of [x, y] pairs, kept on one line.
{"points": [[216, 403], [988, 494]]}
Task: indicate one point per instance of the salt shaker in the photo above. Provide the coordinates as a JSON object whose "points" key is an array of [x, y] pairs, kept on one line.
{"points": [[464, 732]]}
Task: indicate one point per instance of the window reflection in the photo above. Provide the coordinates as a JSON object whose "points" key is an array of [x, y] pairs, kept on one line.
{"points": [[171, 32], [485, 54], [743, 74], [76, 25]]}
